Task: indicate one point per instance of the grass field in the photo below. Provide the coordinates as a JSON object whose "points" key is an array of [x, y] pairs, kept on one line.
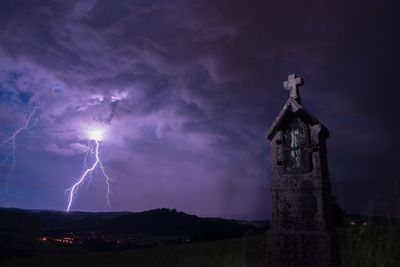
{"points": [[233, 252], [365, 246], [371, 246]]}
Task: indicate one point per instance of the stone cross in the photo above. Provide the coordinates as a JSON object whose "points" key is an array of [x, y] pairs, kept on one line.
{"points": [[292, 85]]}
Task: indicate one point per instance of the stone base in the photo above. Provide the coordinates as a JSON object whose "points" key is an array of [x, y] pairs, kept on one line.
{"points": [[302, 248]]}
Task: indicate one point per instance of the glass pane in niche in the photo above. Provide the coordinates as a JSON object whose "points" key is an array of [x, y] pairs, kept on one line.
{"points": [[296, 147]]}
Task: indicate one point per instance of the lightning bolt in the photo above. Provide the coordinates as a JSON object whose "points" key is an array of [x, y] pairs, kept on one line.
{"points": [[12, 141], [88, 172]]}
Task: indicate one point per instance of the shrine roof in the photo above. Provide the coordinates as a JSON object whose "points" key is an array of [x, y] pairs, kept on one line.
{"points": [[294, 107]]}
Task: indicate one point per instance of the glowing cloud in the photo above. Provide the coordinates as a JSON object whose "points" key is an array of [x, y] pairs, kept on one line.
{"points": [[96, 134]]}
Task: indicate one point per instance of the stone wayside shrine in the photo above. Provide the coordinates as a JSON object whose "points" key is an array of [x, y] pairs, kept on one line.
{"points": [[302, 231]]}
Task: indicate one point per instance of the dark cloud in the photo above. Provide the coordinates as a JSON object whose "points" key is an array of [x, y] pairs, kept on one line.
{"points": [[186, 92]]}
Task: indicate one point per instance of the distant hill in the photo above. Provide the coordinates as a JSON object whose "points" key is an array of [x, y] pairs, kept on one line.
{"points": [[31, 232], [158, 222], [171, 222]]}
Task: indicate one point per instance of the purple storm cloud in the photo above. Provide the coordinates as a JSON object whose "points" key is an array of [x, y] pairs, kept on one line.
{"points": [[185, 91]]}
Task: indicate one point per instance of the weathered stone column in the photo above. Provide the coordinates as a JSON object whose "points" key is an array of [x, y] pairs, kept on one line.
{"points": [[302, 231]]}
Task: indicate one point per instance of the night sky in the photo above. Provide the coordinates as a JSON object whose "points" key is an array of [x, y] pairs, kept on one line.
{"points": [[185, 92]]}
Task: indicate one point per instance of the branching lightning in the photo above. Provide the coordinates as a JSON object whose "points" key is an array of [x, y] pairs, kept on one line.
{"points": [[12, 141], [96, 135]]}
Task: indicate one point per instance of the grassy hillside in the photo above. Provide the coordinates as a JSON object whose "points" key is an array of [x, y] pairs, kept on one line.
{"points": [[371, 246], [377, 246], [232, 252]]}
